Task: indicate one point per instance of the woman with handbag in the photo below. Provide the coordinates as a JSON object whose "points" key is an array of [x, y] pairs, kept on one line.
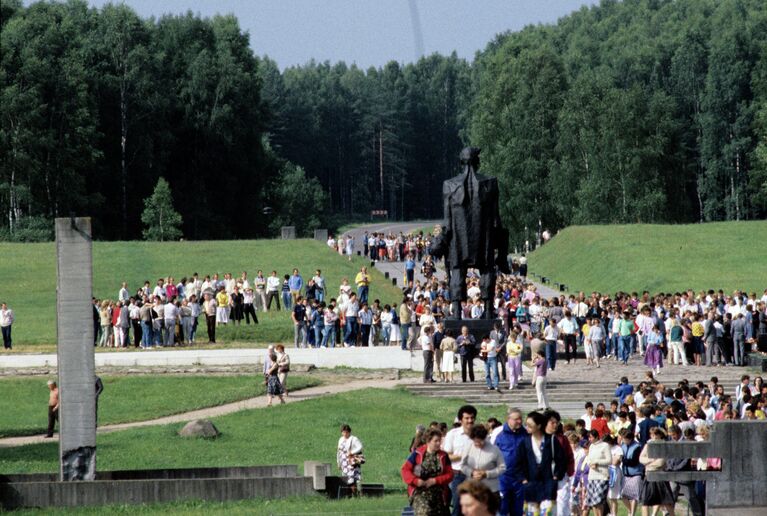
{"points": [[349, 457], [428, 473], [283, 367], [273, 384], [540, 464]]}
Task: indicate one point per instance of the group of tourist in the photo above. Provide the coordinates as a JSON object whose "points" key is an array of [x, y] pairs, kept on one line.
{"points": [[381, 246], [528, 465]]}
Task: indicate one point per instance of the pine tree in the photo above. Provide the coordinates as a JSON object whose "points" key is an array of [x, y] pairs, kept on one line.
{"points": [[161, 220]]}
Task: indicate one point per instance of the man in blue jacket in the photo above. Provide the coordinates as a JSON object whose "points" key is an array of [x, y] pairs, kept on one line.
{"points": [[624, 389], [510, 441]]}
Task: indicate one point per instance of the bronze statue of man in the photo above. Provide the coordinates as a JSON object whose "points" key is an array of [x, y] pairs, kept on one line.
{"points": [[472, 235]]}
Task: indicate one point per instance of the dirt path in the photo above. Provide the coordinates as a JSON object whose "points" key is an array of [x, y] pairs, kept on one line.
{"points": [[220, 410]]}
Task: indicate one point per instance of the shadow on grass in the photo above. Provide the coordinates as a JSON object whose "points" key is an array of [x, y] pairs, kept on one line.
{"points": [[27, 456], [21, 432]]}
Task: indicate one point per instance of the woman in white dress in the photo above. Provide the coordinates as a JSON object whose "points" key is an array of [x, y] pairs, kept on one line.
{"points": [[448, 347], [394, 336], [349, 457], [349, 247]]}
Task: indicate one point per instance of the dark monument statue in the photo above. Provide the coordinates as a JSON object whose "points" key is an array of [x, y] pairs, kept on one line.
{"points": [[472, 235]]}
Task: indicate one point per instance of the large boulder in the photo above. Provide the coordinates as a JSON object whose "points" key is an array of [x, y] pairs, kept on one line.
{"points": [[200, 428]]}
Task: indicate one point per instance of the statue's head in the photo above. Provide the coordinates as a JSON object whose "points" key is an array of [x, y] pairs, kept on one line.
{"points": [[470, 156]]}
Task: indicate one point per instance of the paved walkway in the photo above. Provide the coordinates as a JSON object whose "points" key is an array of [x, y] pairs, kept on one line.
{"points": [[220, 410]]}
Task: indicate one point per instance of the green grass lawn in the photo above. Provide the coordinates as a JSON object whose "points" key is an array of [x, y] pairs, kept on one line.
{"points": [[29, 271], [383, 419], [130, 398], [657, 258]]}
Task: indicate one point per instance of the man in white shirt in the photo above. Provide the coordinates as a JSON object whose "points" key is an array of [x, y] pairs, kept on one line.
{"points": [[568, 330], [455, 444], [588, 416], [170, 315], [273, 285], [134, 312], [244, 283], [319, 282], [124, 295], [159, 289], [6, 321]]}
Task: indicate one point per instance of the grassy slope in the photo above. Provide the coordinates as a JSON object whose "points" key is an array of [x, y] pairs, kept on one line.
{"points": [[727, 255], [29, 272], [130, 398]]}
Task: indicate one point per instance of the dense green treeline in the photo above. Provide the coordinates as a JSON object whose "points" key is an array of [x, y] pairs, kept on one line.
{"points": [[97, 104], [634, 111]]}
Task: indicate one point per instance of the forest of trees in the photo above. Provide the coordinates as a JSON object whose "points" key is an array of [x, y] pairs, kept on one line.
{"points": [[634, 111]]}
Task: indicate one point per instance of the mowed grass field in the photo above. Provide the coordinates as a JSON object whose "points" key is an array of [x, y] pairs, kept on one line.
{"points": [[384, 419], [29, 279], [23, 405], [657, 258]]}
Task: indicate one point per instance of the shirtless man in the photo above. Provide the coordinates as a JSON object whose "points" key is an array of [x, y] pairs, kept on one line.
{"points": [[53, 406]]}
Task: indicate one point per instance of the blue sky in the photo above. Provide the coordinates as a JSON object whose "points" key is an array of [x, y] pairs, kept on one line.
{"points": [[366, 32]]}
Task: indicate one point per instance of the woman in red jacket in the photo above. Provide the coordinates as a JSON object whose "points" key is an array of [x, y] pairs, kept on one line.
{"points": [[599, 423], [427, 473]]}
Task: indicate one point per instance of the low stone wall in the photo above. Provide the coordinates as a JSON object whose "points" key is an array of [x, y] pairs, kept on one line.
{"points": [[389, 357], [276, 471], [110, 492]]}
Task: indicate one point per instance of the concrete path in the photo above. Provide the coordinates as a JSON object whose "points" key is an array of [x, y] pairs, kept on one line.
{"points": [[220, 410]]}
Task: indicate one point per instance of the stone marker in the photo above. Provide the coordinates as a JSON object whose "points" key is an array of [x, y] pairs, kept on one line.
{"points": [[200, 428], [739, 487], [321, 235], [288, 232], [76, 361], [318, 471]]}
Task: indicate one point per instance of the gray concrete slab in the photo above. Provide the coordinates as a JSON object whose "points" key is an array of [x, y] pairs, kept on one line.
{"points": [[76, 364]]}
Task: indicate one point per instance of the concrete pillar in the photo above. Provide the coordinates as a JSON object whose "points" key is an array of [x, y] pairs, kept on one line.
{"points": [[317, 471], [321, 235], [76, 361], [288, 232]]}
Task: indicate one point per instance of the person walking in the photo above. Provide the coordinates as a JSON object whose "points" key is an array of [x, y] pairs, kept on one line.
{"points": [[273, 385], [483, 461], [427, 473], [509, 441], [209, 307], [540, 463], [455, 444], [283, 367], [6, 322], [677, 354], [596, 339], [653, 352], [738, 332], [298, 315], [466, 350], [53, 406], [625, 330], [599, 459], [489, 354], [449, 348], [514, 366], [350, 458], [427, 346], [656, 493], [568, 329], [539, 380]]}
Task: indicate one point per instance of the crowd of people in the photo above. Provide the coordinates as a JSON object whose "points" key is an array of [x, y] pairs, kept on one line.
{"points": [[538, 464]]}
